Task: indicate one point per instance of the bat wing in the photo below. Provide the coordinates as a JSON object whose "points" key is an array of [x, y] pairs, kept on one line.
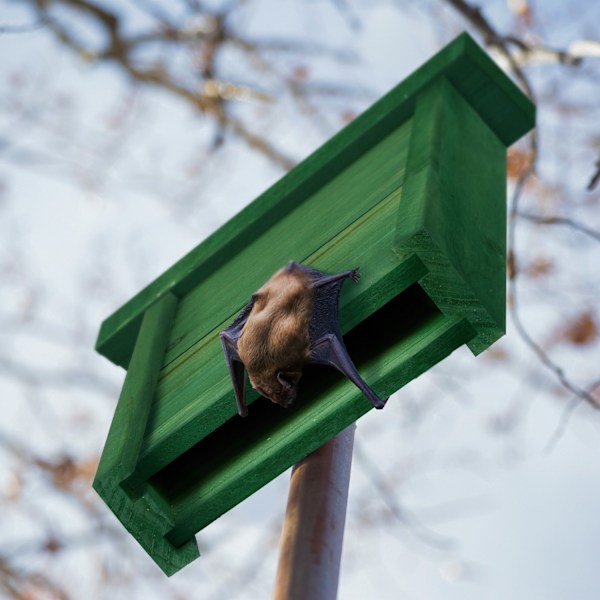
{"points": [[237, 370], [327, 344]]}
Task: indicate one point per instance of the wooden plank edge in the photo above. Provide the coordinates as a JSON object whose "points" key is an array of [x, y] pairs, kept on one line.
{"points": [[127, 429], [147, 523], [460, 302], [521, 112], [143, 517], [424, 192]]}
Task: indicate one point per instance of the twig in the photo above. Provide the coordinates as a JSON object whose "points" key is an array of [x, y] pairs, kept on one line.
{"points": [[568, 411], [387, 496], [595, 177], [526, 53], [515, 62], [544, 357], [567, 222], [493, 38], [20, 584], [51, 544]]}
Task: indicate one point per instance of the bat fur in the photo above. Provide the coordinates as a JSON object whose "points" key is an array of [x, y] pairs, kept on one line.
{"points": [[274, 344]]}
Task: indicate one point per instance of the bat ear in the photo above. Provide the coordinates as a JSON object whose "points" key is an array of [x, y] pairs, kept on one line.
{"points": [[289, 384], [284, 380]]}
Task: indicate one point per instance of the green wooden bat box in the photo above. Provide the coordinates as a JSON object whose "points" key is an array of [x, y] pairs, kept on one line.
{"points": [[414, 192]]}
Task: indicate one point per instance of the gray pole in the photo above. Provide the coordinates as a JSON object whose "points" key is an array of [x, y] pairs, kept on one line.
{"points": [[313, 528]]}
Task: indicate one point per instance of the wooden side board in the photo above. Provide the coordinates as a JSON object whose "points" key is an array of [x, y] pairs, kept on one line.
{"points": [[453, 210], [413, 192], [148, 518]]}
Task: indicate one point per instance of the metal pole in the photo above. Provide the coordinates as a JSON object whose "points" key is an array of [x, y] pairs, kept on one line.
{"points": [[313, 528]]}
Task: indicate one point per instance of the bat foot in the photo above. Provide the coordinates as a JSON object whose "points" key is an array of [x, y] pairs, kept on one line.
{"points": [[379, 403], [355, 275]]}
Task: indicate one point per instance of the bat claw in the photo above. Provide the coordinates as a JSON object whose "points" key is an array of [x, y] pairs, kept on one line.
{"points": [[379, 404], [355, 275]]}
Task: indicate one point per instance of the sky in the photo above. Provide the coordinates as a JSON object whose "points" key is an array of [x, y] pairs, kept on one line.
{"points": [[494, 513]]}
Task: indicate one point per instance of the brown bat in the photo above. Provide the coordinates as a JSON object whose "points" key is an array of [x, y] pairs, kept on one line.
{"points": [[291, 321]]}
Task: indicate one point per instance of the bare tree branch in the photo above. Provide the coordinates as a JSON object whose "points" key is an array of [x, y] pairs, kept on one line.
{"points": [[595, 177], [544, 357], [208, 95], [568, 411], [388, 498], [525, 53], [515, 60], [187, 49], [565, 221], [494, 39], [20, 585]]}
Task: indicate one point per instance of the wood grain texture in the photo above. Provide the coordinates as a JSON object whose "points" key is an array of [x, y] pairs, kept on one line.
{"points": [[299, 234], [194, 394], [453, 210], [499, 103], [146, 517], [131, 415]]}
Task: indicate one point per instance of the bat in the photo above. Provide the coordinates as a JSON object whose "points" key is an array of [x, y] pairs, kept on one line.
{"points": [[291, 321]]}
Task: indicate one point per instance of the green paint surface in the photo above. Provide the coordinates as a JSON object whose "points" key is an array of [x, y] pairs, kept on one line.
{"points": [[475, 76]]}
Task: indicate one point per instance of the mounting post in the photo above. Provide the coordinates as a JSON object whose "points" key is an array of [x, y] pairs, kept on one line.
{"points": [[313, 529]]}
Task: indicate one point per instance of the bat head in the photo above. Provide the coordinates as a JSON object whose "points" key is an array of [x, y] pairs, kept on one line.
{"points": [[281, 387]]}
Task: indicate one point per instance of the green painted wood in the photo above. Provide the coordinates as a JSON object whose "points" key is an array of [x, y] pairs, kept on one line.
{"points": [[129, 422], [482, 84], [185, 409], [453, 211], [145, 518], [413, 192]]}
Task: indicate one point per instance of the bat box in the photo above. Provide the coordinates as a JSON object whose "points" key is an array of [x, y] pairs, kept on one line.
{"points": [[413, 191]]}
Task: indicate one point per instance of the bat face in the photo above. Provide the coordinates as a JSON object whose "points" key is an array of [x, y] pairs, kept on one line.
{"points": [[292, 320]]}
